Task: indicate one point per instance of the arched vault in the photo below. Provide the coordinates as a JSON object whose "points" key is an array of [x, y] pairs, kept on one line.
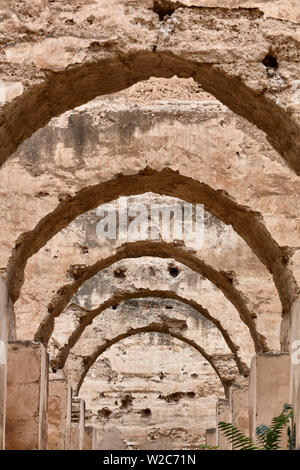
{"points": [[86, 318], [137, 45], [158, 249], [246, 223], [217, 362]]}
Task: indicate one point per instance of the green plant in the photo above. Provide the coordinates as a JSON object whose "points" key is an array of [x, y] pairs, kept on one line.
{"points": [[206, 447], [237, 438], [268, 437]]}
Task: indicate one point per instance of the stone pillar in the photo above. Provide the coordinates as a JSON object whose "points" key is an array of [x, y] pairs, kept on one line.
{"points": [[74, 438], [269, 389], [27, 396], [223, 414], [77, 424], [295, 367], [68, 440], [89, 438], [81, 424], [95, 439], [7, 333], [57, 410], [239, 402], [211, 437]]}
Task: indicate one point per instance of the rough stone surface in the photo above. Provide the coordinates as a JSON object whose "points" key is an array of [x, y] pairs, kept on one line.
{"points": [[158, 147], [239, 402], [57, 411], [224, 414], [295, 369], [123, 371], [138, 40], [200, 104], [269, 389], [6, 333], [89, 438], [27, 396], [135, 390], [211, 437]]}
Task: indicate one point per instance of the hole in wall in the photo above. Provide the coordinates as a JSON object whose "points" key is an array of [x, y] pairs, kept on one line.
{"points": [[161, 375], [126, 402], [120, 273], [163, 9], [173, 271], [90, 19], [146, 413], [270, 61], [104, 413], [177, 396], [151, 271]]}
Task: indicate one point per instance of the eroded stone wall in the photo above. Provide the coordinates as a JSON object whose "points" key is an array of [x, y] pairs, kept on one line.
{"points": [[151, 392], [148, 137], [166, 138]]}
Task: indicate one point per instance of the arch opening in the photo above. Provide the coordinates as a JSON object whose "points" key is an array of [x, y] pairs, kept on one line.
{"points": [[226, 381], [167, 182], [88, 316]]}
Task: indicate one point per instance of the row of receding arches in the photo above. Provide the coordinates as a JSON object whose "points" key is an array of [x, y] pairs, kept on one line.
{"points": [[52, 218], [145, 249], [161, 250], [46, 226]]}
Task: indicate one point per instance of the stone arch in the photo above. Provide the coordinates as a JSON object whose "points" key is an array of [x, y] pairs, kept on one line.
{"points": [[164, 329], [246, 223], [86, 318], [109, 65], [159, 249]]}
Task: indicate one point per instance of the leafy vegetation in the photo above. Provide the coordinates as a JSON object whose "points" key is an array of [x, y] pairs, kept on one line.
{"points": [[268, 437], [206, 447]]}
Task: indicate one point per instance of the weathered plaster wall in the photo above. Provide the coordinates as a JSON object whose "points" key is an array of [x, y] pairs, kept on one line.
{"points": [[159, 38], [157, 136], [7, 332], [195, 135], [149, 276], [157, 372], [57, 411], [53, 59], [151, 392], [27, 396]]}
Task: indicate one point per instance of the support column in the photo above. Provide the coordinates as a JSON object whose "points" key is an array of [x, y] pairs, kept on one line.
{"points": [[7, 333], [239, 402], [74, 438], [68, 439], [295, 367], [27, 396], [269, 389], [95, 439], [57, 410], [77, 424], [223, 414], [211, 437], [89, 438], [81, 425]]}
